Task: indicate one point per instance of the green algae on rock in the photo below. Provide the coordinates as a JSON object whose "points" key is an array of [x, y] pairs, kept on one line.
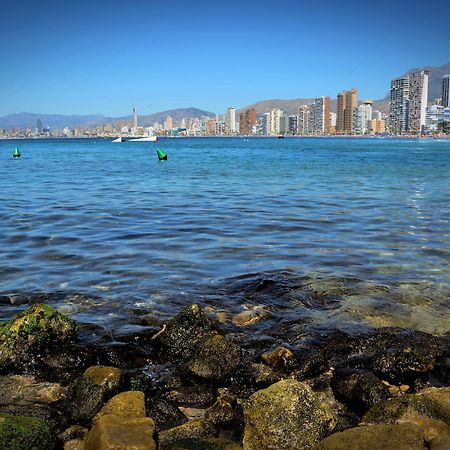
{"points": [[286, 416], [36, 329], [25, 433]]}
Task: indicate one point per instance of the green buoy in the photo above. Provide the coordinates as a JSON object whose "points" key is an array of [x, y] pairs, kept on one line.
{"points": [[16, 153], [161, 155]]}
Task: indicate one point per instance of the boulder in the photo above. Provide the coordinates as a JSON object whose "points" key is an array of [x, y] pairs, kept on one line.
{"points": [[165, 413], [204, 444], [25, 433], [90, 392], [433, 403], [194, 429], [182, 334], [358, 389], [129, 404], [121, 433], [216, 359], [32, 332], [405, 436], [285, 416]]}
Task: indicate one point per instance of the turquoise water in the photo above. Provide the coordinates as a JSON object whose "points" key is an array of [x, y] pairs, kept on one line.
{"points": [[368, 217]]}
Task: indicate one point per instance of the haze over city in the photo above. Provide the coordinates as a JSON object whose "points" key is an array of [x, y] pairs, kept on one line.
{"points": [[103, 57]]}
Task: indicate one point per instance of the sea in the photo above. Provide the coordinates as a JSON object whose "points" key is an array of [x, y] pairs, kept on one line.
{"points": [[320, 233]]}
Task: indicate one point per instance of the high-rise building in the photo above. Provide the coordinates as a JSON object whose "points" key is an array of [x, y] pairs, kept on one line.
{"points": [[418, 99], [362, 116], [247, 120], [39, 126], [230, 120], [347, 101], [168, 124], [399, 105], [265, 123], [315, 118], [446, 91], [135, 118], [275, 117]]}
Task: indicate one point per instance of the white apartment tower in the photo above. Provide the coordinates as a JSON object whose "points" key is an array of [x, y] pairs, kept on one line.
{"points": [[446, 91], [231, 120], [418, 99], [399, 105], [362, 116], [275, 116]]}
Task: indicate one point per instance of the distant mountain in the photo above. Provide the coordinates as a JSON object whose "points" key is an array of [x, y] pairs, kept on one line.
{"points": [[292, 106], [28, 120]]}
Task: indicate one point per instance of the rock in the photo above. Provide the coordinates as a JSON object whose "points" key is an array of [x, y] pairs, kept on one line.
{"points": [[199, 396], [216, 359], [431, 428], [31, 332], [121, 433], [74, 444], [223, 409], [280, 358], [74, 432], [375, 437], [182, 334], [104, 376], [359, 390], [129, 404], [165, 413], [25, 390], [442, 371], [194, 429], [440, 443], [204, 444], [89, 393], [312, 366], [25, 433], [433, 403], [285, 416]]}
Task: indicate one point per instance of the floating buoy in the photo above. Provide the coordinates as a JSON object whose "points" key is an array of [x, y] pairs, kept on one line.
{"points": [[161, 155], [16, 153]]}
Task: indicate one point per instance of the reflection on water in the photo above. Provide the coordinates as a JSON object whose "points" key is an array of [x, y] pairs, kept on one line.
{"points": [[345, 233]]}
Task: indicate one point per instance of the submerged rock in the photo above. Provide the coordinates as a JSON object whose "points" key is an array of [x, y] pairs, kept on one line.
{"points": [[359, 390], [31, 332], [285, 416], [375, 437], [280, 358], [25, 433]]}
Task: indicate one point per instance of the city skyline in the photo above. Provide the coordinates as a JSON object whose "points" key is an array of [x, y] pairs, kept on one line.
{"points": [[99, 57]]}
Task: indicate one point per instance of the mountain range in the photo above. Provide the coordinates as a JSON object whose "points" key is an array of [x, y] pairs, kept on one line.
{"points": [[291, 106]]}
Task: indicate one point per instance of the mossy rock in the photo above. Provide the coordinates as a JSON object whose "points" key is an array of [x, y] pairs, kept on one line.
{"points": [[287, 415], [34, 330], [216, 359], [25, 433], [433, 403], [182, 334]]}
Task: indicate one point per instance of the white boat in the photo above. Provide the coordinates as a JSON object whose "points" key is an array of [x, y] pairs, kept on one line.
{"points": [[119, 139], [145, 139]]}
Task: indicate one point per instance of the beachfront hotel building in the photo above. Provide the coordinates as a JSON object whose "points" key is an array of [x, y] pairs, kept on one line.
{"points": [[347, 101], [399, 105], [314, 118], [247, 120], [275, 118], [418, 99], [446, 91], [230, 120], [362, 116]]}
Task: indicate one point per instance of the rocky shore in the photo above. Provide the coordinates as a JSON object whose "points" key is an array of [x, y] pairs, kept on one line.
{"points": [[191, 383]]}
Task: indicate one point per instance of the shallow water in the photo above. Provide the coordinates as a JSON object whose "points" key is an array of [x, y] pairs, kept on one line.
{"points": [[317, 233]]}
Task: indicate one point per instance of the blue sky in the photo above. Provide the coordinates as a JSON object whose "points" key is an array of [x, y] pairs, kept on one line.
{"points": [[105, 57]]}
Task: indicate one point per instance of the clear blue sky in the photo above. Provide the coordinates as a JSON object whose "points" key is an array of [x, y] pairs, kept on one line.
{"points": [[84, 57]]}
